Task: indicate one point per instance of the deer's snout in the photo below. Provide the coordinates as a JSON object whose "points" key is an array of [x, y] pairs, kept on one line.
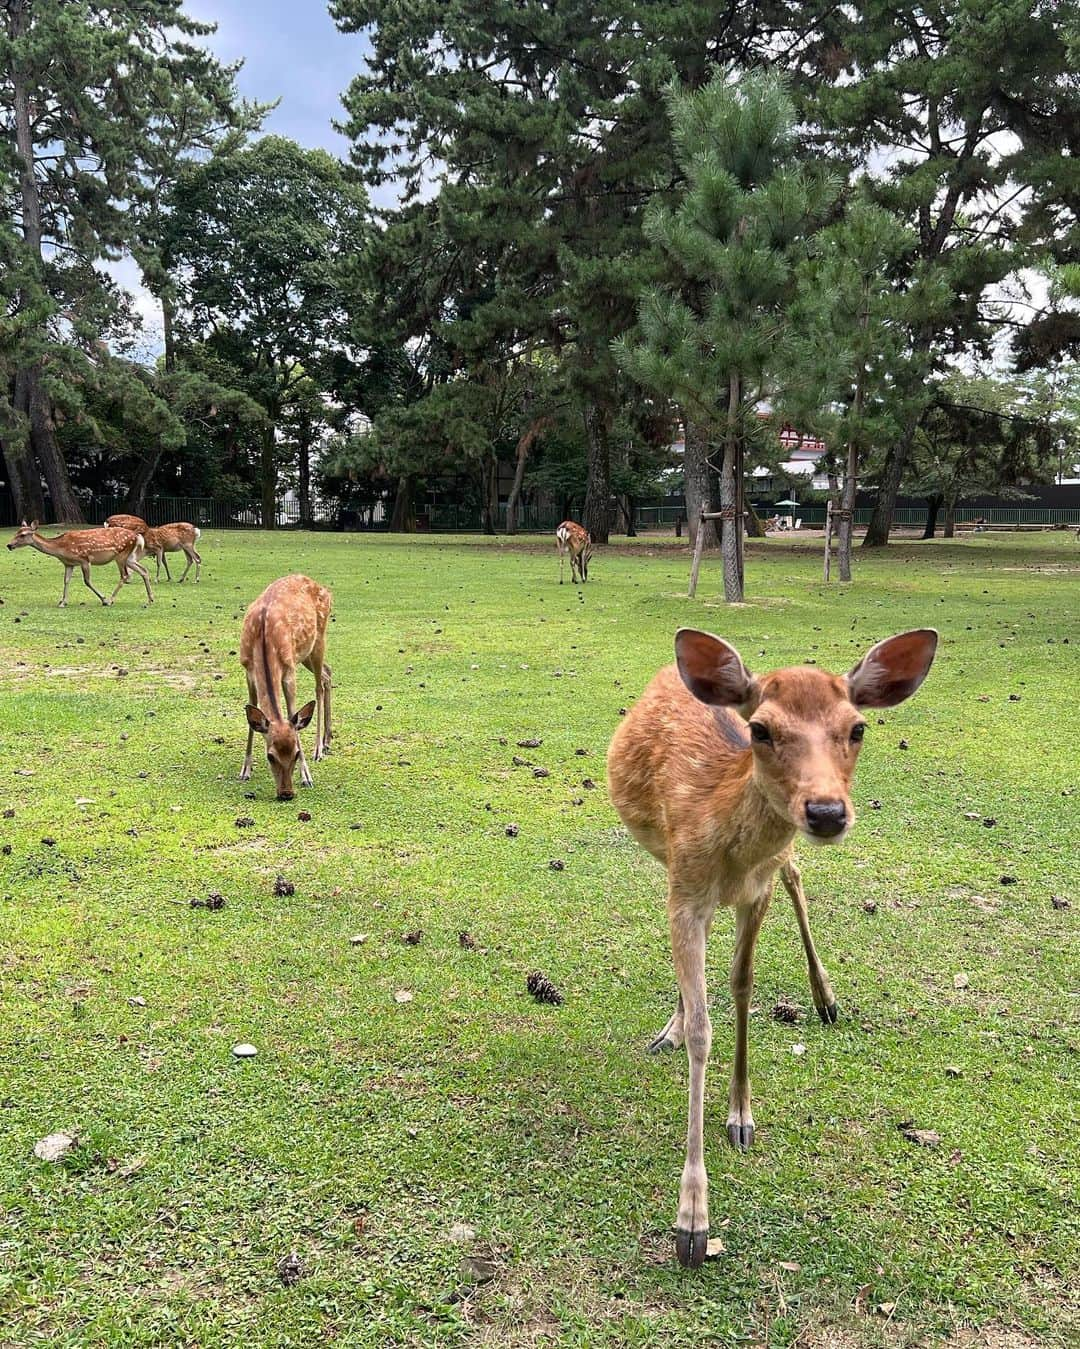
{"points": [[286, 795], [826, 819]]}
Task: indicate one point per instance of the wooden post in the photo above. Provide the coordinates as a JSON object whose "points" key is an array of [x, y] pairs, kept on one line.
{"points": [[699, 546], [828, 536]]}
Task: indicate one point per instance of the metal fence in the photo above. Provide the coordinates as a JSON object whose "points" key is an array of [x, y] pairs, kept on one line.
{"points": [[210, 513]]}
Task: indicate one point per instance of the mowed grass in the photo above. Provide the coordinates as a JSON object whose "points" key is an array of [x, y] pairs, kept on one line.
{"points": [[366, 1128]]}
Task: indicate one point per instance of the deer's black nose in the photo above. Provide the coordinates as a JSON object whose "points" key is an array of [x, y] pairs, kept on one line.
{"points": [[826, 819]]}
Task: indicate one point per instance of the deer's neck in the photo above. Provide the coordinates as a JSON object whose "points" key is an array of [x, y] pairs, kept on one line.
{"points": [[750, 828], [267, 673], [44, 545]]}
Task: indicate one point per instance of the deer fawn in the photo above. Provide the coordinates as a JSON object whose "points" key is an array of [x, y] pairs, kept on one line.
{"points": [[135, 523], [84, 548], [571, 538], [719, 802], [286, 627], [178, 538]]}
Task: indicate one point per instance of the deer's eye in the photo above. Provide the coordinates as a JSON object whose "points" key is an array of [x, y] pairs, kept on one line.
{"points": [[759, 733], [857, 733]]}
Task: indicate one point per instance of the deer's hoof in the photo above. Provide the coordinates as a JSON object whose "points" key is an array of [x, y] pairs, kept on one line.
{"points": [[740, 1136], [690, 1246], [663, 1044], [828, 1014]]}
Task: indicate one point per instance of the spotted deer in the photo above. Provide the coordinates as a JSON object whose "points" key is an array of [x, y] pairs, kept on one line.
{"points": [[284, 628], [176, 538], [86, 548], [573, 539], [715, 772], [135, 523]]}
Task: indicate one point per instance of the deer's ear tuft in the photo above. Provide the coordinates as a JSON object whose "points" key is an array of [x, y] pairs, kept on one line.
{"points": [[713, 670], [893, 670], [257, 719]]}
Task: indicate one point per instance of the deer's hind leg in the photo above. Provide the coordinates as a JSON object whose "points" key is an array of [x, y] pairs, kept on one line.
{"points": [[671, 1037], [820, 988]]}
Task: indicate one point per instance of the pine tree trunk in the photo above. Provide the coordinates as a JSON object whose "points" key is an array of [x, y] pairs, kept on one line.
{"points": [[22, 471], [933, 505], [629, 508], [598, 483], [403, 516], [268, 477], [65, 506], [303, 485], [135, 501], [513, 500], [698, 489], [845, 533], [731, 526], [950, 517]]}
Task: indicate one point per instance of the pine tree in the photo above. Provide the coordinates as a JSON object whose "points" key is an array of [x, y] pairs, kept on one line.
{"points": [[81, 90], [713, 338]]}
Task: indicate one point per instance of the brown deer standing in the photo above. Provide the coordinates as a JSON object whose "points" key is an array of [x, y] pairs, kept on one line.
{"points": [[177, 538], [573, 539], [86, 548], [719, 802], [135, 523], [286, 627]]}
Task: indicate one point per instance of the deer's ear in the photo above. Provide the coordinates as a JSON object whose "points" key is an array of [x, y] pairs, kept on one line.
{"points": [[893, 670], [301, 718], [35, 524], [712, 670], [257, 719]]}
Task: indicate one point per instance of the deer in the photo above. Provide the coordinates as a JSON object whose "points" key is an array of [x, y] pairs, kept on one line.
{"points": [[715, 772], [84, 548], [135, 523], [286, 627], [176, 538], [573, 539]]}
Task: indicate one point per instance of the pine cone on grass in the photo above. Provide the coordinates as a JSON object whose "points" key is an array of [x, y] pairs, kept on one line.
{"points": [[542, 989]]}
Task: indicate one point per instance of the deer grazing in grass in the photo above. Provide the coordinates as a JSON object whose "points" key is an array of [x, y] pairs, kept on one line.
{"points": [[715, 772], [571, 538], [177, 538], [135, 523], [284, 628], [86, 548]]}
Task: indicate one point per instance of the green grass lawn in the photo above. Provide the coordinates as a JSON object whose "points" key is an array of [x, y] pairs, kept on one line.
{"points": [[367, 1127]]}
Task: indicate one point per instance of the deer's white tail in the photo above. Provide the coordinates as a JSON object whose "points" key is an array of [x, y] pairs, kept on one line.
{"points": [[198, 533]]}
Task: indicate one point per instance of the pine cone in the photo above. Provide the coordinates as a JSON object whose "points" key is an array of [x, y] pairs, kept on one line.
{"points": [[283, 888], [467, 941], [542, 989], [413, 938]]}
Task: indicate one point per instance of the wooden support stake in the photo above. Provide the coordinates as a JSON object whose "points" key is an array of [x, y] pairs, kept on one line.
{"points": [[699, 544], [828, 537]]}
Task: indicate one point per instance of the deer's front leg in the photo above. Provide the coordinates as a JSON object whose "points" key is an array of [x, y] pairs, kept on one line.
{"points": [[748, 919], [820, 988], [288, 684], [253, 700], [67, 578], [689, 930]]}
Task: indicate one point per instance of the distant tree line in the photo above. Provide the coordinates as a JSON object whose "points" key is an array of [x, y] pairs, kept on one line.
{"points": [[612, 220]]}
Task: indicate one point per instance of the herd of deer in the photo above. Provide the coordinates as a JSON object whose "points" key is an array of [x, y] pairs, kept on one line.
{"points": [[123, 540], [714, 771]]}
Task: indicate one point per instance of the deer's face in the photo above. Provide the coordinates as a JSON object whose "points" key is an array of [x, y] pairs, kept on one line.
{"points": [[24, 536], [806, 726], [282, 745], [805, 734]]}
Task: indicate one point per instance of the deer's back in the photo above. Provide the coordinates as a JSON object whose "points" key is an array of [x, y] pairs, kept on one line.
{"points": [[291, 614]]}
